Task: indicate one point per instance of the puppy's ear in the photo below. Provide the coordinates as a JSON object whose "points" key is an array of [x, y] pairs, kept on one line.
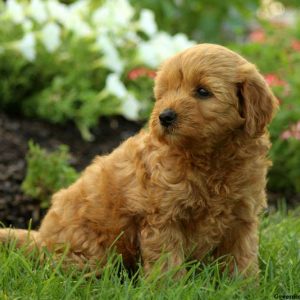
{"points": [[257, 102]]}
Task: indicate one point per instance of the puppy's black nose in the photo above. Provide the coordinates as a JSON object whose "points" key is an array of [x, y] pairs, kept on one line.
{"points": [[167, 117]]}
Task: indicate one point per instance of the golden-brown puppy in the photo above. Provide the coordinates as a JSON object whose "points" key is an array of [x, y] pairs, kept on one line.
{"points": [[194, 183]]}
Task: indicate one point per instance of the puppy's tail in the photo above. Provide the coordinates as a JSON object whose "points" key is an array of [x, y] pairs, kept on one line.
{"points": [[26, 238]]}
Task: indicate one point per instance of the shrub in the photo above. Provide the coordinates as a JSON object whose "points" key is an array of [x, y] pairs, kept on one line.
{"points": [[205, 20], [71, 62], [80, 61], [276, 51], [47, 172]]}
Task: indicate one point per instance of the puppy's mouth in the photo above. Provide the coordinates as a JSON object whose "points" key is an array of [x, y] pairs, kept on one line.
{"points": [[170, 129]]}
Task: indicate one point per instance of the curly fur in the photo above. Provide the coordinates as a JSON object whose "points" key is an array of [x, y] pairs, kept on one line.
{"points": [[188, 190]]}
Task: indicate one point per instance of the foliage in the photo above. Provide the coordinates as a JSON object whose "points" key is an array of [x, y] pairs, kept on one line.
{"points": [[47, 172], [71, 62], [213, 21], [98, 57], [285, 173], [205, 20], [276, 51], [28, 278]]}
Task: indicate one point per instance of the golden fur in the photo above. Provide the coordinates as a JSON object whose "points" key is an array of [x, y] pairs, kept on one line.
{"points": [[188, 190]]}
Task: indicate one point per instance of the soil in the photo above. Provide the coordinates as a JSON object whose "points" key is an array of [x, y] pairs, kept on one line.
{"points": [[16, 209]]}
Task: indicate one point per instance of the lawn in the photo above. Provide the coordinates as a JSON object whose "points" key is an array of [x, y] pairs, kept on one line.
{"points": [[26, 278]]}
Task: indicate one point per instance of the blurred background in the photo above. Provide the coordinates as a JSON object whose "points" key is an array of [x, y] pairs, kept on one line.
{"points": [[76, 78]]}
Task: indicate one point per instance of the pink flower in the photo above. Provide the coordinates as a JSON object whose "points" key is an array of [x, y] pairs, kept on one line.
{"points": [[139, 72], [257, 36], [296, 45], [273, 80], [292, 132]]}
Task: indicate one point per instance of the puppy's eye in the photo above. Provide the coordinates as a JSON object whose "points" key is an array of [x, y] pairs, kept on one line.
{"points": [[203, 93]]}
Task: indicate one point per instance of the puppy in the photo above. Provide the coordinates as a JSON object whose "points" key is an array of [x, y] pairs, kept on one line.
{"points": [[193, 183]]}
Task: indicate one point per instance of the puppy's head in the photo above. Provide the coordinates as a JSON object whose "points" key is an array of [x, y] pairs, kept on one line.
{"points": [[205, 94]]}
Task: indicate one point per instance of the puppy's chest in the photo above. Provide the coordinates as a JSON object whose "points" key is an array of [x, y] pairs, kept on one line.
{"points": [[200, 200], [181, 188], [186, 194], [205, 230], [215, 215], [211, 189]]}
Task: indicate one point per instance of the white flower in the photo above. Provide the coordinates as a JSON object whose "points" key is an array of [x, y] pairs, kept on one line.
{"points": [[79, 27], [71, 17], [113, 14], [130, 107], [111, 57], [147, 22], [101, 15], [181, 42], [27, 25], [147, 55], [129, 104], [161, 47], [80, 7], [27, 46], [15, 11], [131, 36], [37, 10], [58, 11], [156, 50], [115, 86], [123, 11], [51, 36]]}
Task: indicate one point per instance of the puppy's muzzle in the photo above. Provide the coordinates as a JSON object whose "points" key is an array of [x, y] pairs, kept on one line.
{"points": [[167, 117]]}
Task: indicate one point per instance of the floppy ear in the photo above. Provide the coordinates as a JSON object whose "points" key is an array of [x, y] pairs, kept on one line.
{"points": [[257, 101]]}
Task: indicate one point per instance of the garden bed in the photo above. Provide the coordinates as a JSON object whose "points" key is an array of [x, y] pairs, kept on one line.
{"points": [[15, 132]]}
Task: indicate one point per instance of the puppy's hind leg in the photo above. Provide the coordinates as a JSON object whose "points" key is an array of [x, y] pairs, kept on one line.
{"points": [[20, 236]]}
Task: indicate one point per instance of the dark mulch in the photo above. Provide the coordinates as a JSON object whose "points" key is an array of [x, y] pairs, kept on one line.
{"points": [[17, 209]]}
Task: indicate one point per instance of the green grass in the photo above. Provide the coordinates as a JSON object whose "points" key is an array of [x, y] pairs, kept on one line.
{"points": [[26, 278]]}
